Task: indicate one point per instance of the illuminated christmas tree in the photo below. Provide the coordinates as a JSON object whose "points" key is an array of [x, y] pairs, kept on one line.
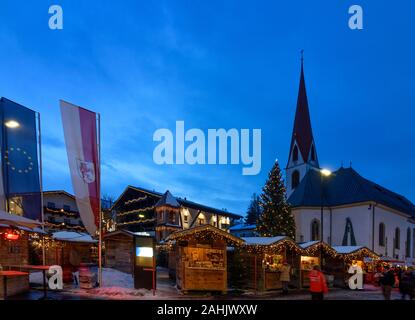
{"points": [[276, 218]]}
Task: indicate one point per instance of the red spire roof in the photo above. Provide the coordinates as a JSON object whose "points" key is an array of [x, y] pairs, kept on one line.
{"points": [[302, 132]]}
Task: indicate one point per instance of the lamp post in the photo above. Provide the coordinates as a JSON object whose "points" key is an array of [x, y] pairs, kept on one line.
{"points": [[324, 173]]}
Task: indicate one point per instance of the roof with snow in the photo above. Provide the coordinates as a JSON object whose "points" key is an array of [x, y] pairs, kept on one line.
{"points": [[345, 186], [308, 244], [70, 236], [263, 241], [242, 226], [168, 200], [17, 221]]}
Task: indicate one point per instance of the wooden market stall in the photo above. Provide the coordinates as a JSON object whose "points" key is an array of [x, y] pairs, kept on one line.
{"points": [[316, 253], [353, 255], [200, 258], [14, 250], [262, 259], [119, 250]]}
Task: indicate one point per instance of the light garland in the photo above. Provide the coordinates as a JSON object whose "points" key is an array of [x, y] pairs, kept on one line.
{"points": [[63, 226], [135, 200], [61, 211], [136, 221], [135, 211]]}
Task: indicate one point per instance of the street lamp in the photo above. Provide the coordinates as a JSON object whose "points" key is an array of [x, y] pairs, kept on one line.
{"points": [[12, 124], [324, 173]]}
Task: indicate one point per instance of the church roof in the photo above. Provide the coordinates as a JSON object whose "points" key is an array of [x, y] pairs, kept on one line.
{"points": [[302, 131], [345, 186]]}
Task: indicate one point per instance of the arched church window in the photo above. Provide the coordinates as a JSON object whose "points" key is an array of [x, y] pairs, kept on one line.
{"points": [[397, 238], [408, 243], [381, 234], [315, 230], [295, 153], [295, 179], [313, 153]]}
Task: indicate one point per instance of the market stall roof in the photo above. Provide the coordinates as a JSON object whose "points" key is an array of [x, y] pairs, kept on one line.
{"points": [[353, 252], [263, 241], [208, 230], [70, 236], [34, 230], [311, 248], [17, 221]]}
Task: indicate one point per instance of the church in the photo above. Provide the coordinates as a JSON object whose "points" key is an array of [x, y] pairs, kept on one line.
{"points": [[343, 208]]}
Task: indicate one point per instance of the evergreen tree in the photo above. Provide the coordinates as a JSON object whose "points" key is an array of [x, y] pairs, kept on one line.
{"points": [[276, 218], [254, 210]]}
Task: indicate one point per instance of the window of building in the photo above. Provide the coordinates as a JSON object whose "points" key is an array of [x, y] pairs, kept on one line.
{"points": [[171, 217], [408, 243], [186, 218], [201, 221], [295, 179], [51, 205], [381, 234], [397, 238], [315, 230], [295, 153], [67, 208], [67, 221]]}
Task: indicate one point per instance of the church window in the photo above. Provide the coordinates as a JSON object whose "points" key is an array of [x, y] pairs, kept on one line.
{"points": [[397, 238], [295, 179], [315, 230], [381, 234], [408, 243], [295, 153]]}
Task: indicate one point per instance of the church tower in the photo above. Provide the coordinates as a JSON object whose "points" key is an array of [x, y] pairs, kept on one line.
{"points": [[303, 154]]}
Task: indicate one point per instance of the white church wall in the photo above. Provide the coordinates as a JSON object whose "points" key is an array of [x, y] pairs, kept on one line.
{"points": [[392, 221], [303, 219], [359, 216]]}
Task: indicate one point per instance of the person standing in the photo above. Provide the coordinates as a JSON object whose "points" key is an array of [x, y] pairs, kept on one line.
{"points": [[285, 276], [318, 285], [387, 281], [407, 285]]}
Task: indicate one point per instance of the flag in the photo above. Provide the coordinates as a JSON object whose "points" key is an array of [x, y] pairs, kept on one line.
{"points": [[19, 177], [80, 131]]}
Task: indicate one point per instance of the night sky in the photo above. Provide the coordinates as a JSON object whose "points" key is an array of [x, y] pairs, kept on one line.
{"points": [[217, 64]]}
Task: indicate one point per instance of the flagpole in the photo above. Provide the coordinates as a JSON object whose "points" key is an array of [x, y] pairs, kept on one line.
{"points": [[41, 189], [99, 205]]}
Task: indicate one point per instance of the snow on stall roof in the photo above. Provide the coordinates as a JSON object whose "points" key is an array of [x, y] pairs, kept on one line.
{"points": [[262, 241], [242, 226], [305, 245], [346, 249], [73, 237]]}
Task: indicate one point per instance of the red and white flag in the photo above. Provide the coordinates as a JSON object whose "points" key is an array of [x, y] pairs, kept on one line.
{"points": [[80, 130]]}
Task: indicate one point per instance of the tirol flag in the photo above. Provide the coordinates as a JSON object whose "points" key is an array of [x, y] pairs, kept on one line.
{"points": [[20, 191], [80, 130]]}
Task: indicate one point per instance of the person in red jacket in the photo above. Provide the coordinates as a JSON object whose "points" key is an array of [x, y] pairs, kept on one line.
{"points": [[318, 286]]}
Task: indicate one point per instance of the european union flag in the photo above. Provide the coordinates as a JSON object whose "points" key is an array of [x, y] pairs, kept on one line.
{"points": [[19, 160]]}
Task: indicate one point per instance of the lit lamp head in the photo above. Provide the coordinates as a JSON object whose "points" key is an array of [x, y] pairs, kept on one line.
{"points": [[325, 172], [12, 124]]}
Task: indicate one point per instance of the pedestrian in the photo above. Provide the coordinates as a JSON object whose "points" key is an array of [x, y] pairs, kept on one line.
{"points": [[407, 285], [285, 276], [318, 285], [387, 282]]}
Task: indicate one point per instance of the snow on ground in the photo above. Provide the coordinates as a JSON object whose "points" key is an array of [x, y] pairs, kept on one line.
{"points": [[119, 285]]}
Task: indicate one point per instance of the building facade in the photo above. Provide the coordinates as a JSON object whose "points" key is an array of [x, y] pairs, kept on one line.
{"points": [[343, 208], [61, 212], [139, 209]]}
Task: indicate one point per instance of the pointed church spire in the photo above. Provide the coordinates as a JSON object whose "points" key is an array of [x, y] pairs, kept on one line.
{"points": [[302, 133]]}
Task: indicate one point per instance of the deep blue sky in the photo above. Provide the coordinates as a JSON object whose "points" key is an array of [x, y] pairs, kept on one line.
{"points": [[232, 64]]}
